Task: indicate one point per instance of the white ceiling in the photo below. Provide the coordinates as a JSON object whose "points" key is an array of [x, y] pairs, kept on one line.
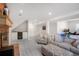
{"points": [[38, 12], [23, 27]]}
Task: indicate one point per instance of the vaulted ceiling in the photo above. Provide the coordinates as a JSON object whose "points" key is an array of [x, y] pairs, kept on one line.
{"points": [[38, 12]]}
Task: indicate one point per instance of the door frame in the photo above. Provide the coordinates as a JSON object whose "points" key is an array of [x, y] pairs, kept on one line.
{"points": [[19, 35]]}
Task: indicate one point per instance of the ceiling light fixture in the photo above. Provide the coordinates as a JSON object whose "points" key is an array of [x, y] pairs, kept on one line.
{"points": [[20, 12], [49, 13]]}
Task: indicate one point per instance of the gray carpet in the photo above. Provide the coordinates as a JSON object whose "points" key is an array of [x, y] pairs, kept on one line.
{"points": [[28, 47]]}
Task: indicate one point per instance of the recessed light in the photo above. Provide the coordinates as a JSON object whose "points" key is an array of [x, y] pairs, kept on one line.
{"points": [[20, 12], [49, 13]]}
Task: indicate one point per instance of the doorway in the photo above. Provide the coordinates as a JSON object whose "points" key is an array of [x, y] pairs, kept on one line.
{"points": [[19, 35]]}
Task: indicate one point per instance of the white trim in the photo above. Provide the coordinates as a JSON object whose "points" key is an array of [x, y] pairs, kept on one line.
{"points": [[72, 19], [60, 17]]}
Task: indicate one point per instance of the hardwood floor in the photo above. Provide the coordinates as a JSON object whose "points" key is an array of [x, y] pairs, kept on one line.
{"points": [[28, 47]]}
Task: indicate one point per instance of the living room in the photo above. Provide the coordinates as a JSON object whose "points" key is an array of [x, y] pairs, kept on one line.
{"points": [[40, 29]]}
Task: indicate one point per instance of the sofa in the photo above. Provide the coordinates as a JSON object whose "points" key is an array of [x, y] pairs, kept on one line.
{"points": [[56, 44], [66, 44], [54, 50]]}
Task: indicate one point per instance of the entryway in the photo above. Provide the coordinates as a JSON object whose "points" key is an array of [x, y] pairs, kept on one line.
{"points": [[19, 35]]}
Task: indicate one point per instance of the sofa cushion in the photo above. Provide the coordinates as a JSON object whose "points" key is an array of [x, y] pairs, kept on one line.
{"points": [[69, 41], [42, 41], [67, 46], [51, 49], [64, 45], [76, 43], [75, 50]]}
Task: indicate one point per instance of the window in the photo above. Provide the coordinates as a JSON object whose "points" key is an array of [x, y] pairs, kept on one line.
{"points": [[77, 27]]}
